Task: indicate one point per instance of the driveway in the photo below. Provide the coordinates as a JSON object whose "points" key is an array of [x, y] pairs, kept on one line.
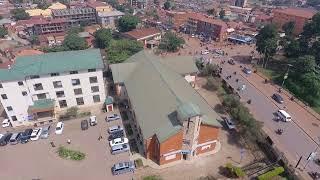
{"points": [[38, 160]]}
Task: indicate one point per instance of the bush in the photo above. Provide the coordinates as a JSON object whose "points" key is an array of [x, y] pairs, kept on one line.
{"points": [[152, 177], [72, 112], [70, 154], [212, 84], [138, 163], [235, 171], [269, 175]]}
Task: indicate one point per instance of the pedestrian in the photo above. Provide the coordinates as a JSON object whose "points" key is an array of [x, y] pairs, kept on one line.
{"points": [[100, 137], [69, 141]]}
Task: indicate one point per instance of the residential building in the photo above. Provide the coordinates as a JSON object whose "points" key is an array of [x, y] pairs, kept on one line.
{"points": [[141, 4], [144, 35], [300, 16], [241, 3], [170, 120], [99, 6], [76, 16], [108, 18], [57, 5], [35, 89], [209, 27], [39, 12]]}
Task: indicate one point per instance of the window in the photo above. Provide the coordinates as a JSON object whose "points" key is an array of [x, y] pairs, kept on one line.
{"points": [[75, 82], [54, 74], [4, 96], [93, 79], [57, 84], [14, 118], [80, 101], [91, 70], [38, 86], [24, 93], [73, 72], [95, 89], [34, 77], [60, 94], [1, 85], [41, 96], [63, 104], [9, 108], [77, 91], [96, 98], [205, 147], [20, 83]]}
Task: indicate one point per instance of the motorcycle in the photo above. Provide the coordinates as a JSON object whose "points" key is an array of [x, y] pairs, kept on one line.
{"points": [[279, 131]]}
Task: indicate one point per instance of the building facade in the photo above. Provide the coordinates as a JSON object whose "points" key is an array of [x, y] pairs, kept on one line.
{"points": [[170, 121], [36, 88], [108, 18], [300, 16], [241, 3], [76, 16]]}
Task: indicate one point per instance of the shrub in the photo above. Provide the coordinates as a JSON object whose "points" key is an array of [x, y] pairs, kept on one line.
{"points": [[152, 177], [213, 84], [269, 175], [70, 154], [72, 112], [138, 163], [235, 171]]}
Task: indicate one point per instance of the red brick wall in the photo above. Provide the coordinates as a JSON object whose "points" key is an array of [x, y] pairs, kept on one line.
{"points": [[152, 150], [207, 133], [174, 143], [280, 19]]}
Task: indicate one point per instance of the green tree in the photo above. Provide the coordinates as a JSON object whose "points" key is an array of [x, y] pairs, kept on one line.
{"points": [[34, 40], [120, 50], [127, 23], [312, 28], [211, 11], [3, 32], [304, 64], [267, 42], [20, 14], [42, 4], [171, 42], [292, 49], [288, 28], [222, 14], [167, 5], [103, 38], [73, 42]]}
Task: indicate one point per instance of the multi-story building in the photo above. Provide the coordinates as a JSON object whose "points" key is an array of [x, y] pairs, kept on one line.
{"points": [[241, 3], [108, 18], [76, 16], [141, 4], [215, 29], [36, 88], [300, 16], [170, 120]]}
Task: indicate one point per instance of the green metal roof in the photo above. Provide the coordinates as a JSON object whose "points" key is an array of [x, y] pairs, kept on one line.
{"points": [[156, 92], [109, 100], [188, 110], [56, 62], [42, 104]]}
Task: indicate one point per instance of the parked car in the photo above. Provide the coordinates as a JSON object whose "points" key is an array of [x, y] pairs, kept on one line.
{"points": [[36, 134], [123, 167], [5, 139], [84, 125], [25, 136], [5, 123], [59, 128], [117, 149], [15, 138], [93, 120], [231, 61], [45, 132], [112, 117], [247, 70], [118, 141], [230, 124], [204, 52], [115, 135], [1, 135], [277, 98], [114, 129]]}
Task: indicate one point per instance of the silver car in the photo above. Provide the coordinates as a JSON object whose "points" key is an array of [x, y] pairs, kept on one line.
{"points": [[45, 132]]}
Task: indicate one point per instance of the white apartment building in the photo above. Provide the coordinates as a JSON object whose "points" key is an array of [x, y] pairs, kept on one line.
{"points": [[36, 88]]}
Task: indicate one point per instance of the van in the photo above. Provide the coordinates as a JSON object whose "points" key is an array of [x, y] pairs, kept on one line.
{"points": [[284, 115], [117, 149], [122, 167], [15, 138]]}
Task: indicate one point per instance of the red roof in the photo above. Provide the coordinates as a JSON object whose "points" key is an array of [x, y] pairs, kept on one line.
{"points": [[204, 18], [141, 33], [95, 4], [40, 21], [300, 12]]}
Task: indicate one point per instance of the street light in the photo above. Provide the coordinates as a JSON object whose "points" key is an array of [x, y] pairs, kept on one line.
{"points": [[286, 75]]}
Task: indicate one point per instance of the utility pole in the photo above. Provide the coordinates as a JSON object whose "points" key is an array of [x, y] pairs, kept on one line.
{"points": [[286, 75]]}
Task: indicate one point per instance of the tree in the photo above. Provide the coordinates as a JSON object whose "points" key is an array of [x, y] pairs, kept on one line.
{"points": [[120, 50], [304, 64], [292, 49], [73, 42], [171, 42], [20, 14], [267, 42], [42, 4], [34, 40], [312, 28], [103, 38], [222, 14], [167, 5], [315, 51], [127, 23], [211, 11], [3, 32], [288, 28]]}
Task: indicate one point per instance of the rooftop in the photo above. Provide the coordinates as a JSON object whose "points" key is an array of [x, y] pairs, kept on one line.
{"points": [[168, 94], [110, 13], [141, 33], [56, 62], [72, 11], [300, 12], [204, 18]]}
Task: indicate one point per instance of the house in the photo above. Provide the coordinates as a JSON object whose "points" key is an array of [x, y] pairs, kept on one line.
{"points": [[108, 18], [170, 120], [144, 35], [35, 89]]}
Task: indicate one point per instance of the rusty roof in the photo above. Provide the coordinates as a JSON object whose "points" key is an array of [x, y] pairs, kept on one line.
{"points": [[204, 18], [300, 12], [141, 33]]}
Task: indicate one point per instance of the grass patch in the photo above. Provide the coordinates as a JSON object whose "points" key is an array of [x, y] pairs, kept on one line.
{"points": [[138, 163], [70, 154], [152, 177]]}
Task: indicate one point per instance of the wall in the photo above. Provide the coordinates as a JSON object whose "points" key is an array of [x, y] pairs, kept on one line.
{"points": [[207, 137], [280, 19], [172, 144]]}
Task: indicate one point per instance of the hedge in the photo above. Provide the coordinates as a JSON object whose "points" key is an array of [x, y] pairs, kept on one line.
{"points": [[70, 154], [235, 170], [268, 175]]}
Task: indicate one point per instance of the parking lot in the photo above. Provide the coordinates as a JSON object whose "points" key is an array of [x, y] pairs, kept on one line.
{"points": [[39, 160]]}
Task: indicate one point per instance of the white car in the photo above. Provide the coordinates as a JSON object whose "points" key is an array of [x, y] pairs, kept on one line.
{"points": [[59, 128], [113, 117], [35, 134], [5, 123], [93, 120], [1, 135], [229, 123], [204, 52], [118, 141]]}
